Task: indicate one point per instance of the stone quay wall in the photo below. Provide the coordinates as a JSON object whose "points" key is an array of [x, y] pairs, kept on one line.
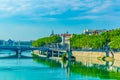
{"points": [[79, 54]]}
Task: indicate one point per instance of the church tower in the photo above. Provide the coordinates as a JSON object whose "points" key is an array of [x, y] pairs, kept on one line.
{"points": [[52, 34]]}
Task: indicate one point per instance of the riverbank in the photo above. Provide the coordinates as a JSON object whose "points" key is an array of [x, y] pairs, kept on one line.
{"points": [[37, 52], [88, 57]]}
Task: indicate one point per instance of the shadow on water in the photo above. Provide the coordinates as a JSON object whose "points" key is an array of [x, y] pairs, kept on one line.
{"points": [[101, 71], [15, 57], [46, 61]]}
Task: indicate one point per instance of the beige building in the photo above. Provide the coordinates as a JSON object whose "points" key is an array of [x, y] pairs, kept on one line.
{"points": [[66, 38]]}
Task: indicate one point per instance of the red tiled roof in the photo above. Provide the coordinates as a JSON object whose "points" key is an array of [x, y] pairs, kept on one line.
{"points": [[65, 35]]}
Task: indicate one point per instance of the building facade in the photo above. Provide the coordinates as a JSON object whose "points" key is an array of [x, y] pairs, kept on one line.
{"points": [[96, 32], [15, 43], [65, 39]]}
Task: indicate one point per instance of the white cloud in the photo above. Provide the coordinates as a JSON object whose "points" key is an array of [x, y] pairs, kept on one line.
{"points": [[28, 7], [38, 8], [101, 7]]}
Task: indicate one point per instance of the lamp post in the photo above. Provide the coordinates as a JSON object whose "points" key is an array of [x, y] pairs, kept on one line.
{"points": [[69, 58], [69, 51]]}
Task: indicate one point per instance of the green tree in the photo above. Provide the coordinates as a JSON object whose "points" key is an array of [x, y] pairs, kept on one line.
{"points": [[111, 38], [47, 41]]}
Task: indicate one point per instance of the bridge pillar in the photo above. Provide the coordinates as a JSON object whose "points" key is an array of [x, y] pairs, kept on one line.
{"points": [[18, 53], [47, 53], [52, 53], [107, 48], [42, 52], [58, 54], [107, 53], [69, 52], [39, 51]]}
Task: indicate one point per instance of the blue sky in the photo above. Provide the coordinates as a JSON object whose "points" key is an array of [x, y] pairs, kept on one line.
{"points": [[33, 19]]}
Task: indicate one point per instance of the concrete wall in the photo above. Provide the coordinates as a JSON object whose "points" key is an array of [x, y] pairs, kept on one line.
{"points": [[78, 54], [91, 57]]}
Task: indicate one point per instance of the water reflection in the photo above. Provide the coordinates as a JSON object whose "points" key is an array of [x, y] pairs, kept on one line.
{"points": [[46, 61], [99, 71], [6, 54], [84, 69], [106, 71]]}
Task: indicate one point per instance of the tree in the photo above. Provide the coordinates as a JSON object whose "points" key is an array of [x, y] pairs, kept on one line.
{"points": [[47, 41], [111, 38]]}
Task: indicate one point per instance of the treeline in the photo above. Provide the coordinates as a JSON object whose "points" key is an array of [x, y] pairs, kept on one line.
{"points": [[111, 38], [47, 41]]}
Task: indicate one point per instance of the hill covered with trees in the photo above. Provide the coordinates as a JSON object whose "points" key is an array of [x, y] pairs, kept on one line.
{"points": [[47, 41], [111, 38]]}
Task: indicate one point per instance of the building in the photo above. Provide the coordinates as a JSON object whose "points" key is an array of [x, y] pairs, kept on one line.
{"points": [[2, 42], [26, 43], [15, 43], [66, 38], [96, 32], [52, 34]]}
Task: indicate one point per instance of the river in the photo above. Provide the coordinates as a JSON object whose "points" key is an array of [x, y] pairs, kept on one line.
{"points": [[45, 69]]}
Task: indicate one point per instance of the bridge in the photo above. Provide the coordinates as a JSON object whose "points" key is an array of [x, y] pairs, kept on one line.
{"points": [[19, 49]]}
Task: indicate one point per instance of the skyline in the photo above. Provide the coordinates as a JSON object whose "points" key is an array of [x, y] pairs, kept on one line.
{"points": [[30, 20]]}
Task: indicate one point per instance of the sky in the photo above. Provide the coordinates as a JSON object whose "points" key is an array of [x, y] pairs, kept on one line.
{"points": [[33, 19]]}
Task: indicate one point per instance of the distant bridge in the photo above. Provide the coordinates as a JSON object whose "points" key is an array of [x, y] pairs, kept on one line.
{"points": [[19, 49]]}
